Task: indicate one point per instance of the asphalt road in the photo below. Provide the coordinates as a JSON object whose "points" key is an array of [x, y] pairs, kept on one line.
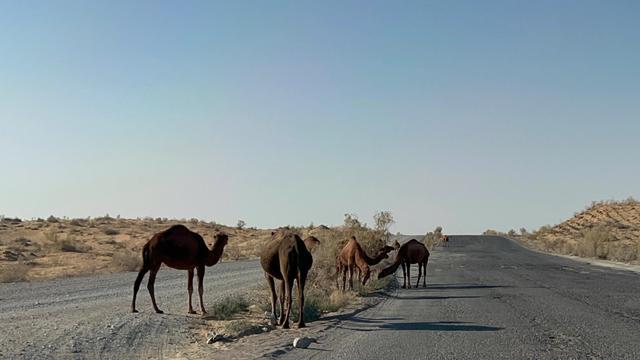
{"points": [[490, 298], [88, 317]]}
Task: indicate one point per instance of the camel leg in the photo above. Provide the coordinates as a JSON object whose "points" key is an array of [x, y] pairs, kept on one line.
{"points": [[282, 293], [136, 286], [338, 271], [350, 277], [408, 275], [367, 274], [344, 278], [288, 285], [201, 287], [404, 276], [190, 289], [424, 279], [274, 297], [419, 274], [150, 287], [302, 279]]}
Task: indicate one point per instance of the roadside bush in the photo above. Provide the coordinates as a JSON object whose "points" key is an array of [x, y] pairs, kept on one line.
{"points": [[595, 243]]}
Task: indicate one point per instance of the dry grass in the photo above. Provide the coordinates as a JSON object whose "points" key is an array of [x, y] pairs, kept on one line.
{"points": [[59, 247], [17, 273]]}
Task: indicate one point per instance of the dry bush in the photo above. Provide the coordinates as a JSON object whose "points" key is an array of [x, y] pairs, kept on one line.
{"points": [[433, 238], [68, 244], [16, 273], [110, 231], [595, 243], [623, 252], [126, 261], [232, 252], [76, 222]]}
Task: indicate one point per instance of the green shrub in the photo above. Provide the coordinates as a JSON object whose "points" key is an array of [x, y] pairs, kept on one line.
{"points": [[228, 307]]}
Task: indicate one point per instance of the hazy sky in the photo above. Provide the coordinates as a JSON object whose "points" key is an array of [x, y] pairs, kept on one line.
{"points": [[465, 114]]}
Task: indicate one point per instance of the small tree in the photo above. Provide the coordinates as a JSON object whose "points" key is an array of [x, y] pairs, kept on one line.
{"points": [[241, 224], [352, 221], [383, 221]]}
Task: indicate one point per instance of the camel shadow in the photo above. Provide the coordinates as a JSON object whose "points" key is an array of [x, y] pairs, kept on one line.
{"points": [[433, 297], [463, 286], [429, 326], [439, 326]]}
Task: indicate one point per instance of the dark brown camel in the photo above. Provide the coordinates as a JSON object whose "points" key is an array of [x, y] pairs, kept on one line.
{"points": [[412, 252], [286, 258], [353, 258], [178, 248]]}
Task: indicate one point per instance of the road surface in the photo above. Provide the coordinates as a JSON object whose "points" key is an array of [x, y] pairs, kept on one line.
{"points": [[88, 317], [490, 298]]}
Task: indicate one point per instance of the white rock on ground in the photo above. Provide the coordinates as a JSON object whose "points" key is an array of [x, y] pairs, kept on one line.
{"points": [[302, 342]]}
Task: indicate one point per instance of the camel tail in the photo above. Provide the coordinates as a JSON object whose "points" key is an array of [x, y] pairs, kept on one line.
{"points": [[391, 269], [146, 259]]}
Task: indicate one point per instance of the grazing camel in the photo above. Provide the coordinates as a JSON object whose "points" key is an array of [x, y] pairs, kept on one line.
{"points": [[353, 257], [286, 258], [178, 248], [311, 242], [411, 252]]}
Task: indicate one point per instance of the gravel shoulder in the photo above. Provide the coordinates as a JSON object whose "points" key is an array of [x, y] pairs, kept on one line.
{"points": [[88, 317]]}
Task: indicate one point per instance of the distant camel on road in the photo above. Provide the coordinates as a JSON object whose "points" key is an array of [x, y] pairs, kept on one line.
{"points": [[353, 257], [411, 252], [178, 248], [445, 240]]}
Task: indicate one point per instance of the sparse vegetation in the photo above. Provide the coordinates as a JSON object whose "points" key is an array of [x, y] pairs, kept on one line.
{"points": [[605, 230], [241, 224], [228, 307]]}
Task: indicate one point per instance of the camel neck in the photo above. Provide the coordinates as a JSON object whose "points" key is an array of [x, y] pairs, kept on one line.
{"points": [[372, 261], [214, 255]]}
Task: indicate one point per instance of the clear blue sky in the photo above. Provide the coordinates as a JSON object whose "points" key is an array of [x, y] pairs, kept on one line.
{"points": [[465, 114]]}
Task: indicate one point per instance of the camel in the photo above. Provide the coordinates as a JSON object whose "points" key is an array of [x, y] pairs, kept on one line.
{"points": [[311, 242], [445, 240], [411, 252], [178, 248], [286, 258], [353, 257]]}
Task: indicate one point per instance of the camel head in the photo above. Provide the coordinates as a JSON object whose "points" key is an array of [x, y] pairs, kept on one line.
{"points": [[384, 252], [220, 239], [311, 242]]}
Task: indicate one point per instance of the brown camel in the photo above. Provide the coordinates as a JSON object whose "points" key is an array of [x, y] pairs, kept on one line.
{"points": [[412, 252], [286, 258], [445, 240], [353, 257], [311, 242], [178, 248]]}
